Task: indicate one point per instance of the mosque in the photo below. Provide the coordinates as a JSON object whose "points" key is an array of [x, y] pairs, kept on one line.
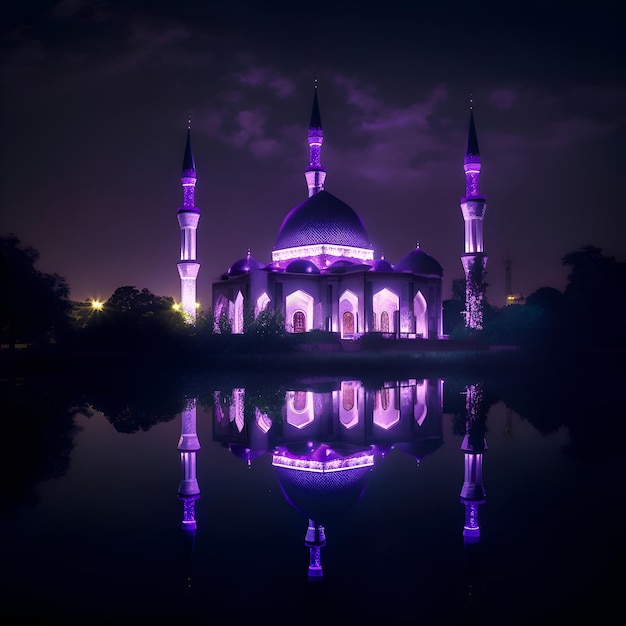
{"points": [[323, 274]]}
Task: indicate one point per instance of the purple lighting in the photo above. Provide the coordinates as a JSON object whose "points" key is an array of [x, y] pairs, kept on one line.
{"points": [[315, 539], [313, 464]]}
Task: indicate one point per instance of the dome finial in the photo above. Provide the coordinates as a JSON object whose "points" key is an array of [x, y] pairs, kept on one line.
{"points": [[471, 101], [189, 122]]}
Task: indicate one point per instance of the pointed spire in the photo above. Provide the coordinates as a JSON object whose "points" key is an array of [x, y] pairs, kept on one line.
{"points": [[315, 173], [189, 165], [316, 120], [471, 161], [472, 140]]}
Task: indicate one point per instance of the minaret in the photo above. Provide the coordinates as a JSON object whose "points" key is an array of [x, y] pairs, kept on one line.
{"points": [[315, 173], [188, 217], [188, 489], [473, 206], [315, 540]]}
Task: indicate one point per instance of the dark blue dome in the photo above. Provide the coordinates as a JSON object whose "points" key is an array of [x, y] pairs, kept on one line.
{"points": [[322, 219], [302, 266], [418, 262], [339, 267], [243, 266], [382, 266]]}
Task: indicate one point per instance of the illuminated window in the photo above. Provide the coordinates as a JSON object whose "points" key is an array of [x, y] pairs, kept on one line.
{"points": [[384, 322], [384, 399], [347, 398], [348, 322], [299, 401], [299, 322]]}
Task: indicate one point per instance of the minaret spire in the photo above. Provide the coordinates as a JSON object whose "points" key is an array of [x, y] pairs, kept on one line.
{"points": [[315, 173], [473, 206], [188, 217]]}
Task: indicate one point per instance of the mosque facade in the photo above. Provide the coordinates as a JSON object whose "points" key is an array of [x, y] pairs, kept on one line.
{"points": [[323, 274]]}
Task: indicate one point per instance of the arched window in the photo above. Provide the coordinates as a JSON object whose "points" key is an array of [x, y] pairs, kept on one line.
{"points": [[348, 323], [384, 322], [299, 322], [384, 399], [347, 398], [299, 401]]}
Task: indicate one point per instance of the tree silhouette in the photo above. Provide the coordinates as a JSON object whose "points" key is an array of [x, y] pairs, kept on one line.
{"points": [[595, 299], [35, 305]]}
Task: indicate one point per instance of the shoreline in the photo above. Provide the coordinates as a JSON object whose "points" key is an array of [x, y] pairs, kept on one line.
{"points": [[394, 360]]}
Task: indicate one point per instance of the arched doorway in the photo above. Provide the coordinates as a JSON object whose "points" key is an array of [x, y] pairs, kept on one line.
{"points": [[347, 322], [299, 322]]}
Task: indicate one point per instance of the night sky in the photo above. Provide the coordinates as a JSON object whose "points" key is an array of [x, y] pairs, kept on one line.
{"points": [[96, 98]]}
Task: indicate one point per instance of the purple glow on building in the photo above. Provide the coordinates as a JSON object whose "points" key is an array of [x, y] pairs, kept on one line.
{"points": [[471, 529], [473, 207], [308, 463], [315, 174], [189, 514], [188, 216], [315, 539], [188, 445], [474, 445]]}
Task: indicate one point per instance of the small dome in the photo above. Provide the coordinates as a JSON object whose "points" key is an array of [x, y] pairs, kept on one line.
{"points": [[272, 267], [418, 262], [322, 219], [340, 266], [302, 266], [243, 266], [381, 265]]}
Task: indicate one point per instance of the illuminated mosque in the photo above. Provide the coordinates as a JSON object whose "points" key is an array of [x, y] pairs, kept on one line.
{"points": [[323, 274]]}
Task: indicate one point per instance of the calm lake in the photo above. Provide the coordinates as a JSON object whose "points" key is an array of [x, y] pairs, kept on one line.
{"points": [[418, 499]]}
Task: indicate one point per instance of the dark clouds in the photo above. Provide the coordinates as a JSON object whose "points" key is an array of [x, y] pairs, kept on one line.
{"points": [[96, 97]]}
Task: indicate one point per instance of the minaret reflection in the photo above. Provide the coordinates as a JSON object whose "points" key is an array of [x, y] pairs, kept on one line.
{"points": [[473, 492], [315, 539], [188, 489]]}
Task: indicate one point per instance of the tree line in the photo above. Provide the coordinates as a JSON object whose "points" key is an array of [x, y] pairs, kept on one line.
{"points": [[36, 309]]}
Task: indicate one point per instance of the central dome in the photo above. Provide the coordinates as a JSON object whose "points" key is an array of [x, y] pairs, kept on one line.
{"points": [[322, 219]]}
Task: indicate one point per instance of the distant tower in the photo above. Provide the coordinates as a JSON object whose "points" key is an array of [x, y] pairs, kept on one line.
{"points": [[511, 298], [315, 173], [188, 218], [473, 206]]}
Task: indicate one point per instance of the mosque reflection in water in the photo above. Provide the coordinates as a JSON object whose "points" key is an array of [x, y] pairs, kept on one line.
{"points": [[326, 439]]}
